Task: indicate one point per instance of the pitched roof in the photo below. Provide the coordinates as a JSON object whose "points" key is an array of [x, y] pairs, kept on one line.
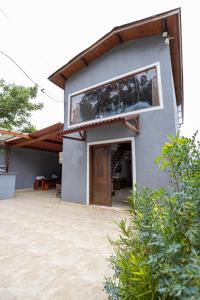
{"points": [[169, 21]]}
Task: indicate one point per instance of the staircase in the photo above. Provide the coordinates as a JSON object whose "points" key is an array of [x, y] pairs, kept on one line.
{"points": [[118, 156]]}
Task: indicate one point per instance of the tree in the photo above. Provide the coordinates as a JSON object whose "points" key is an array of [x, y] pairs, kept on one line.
{"points": [[29, 129], [16, 106]]}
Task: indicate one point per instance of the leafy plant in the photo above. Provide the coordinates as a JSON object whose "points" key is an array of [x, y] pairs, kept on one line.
{"points": [[29, 128], [157, 255], [16, 105]]}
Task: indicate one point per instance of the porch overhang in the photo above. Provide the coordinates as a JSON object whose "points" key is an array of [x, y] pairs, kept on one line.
{"points": [[46, 139], [133, 126]]}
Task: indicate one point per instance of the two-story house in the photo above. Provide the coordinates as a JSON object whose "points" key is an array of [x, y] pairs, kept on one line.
{"points": [[121, 97]]}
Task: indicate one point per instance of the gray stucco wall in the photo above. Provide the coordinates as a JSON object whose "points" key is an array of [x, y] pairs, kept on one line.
{"points": [[29, 163], [155, 125]]}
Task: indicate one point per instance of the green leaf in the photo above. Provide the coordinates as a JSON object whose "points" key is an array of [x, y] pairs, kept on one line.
{"points": [[16, 105]]}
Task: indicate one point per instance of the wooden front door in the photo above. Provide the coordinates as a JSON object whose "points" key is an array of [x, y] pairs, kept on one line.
{"points": [[100, 175]]}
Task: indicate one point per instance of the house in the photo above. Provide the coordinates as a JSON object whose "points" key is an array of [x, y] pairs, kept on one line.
{"points": [[123, 95]]}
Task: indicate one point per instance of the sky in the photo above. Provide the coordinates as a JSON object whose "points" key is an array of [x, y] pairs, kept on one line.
{"points": [[42, 35]]}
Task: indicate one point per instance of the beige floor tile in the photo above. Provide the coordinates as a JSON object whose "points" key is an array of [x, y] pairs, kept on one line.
{"points": [[6, 295], [31, 278], [70, 286], [54, 250], [13, 261]]}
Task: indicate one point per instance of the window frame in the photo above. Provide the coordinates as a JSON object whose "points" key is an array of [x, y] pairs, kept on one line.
{"points": [[124, 75]]}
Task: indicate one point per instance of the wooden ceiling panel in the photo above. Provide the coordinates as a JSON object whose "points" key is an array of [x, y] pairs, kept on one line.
{"points": [[60, 81], [77, 66], [102, 49], [141, 31], [128, 35]]}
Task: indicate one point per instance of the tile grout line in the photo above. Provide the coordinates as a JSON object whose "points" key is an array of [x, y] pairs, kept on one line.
{"points": [[56, 278]]}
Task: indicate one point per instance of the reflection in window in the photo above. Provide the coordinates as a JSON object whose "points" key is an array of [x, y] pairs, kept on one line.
{"points": [[135, 92]]}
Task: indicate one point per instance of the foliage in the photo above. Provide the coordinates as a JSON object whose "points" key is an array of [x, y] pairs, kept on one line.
{"points": [[16, 105], [29, 128], [157, 255]]}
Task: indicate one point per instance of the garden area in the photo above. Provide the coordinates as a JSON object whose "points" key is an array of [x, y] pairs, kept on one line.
{"points": [[157, 254]]}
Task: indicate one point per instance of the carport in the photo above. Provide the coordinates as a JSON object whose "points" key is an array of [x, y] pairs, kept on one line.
{"points": [[31, 155]]}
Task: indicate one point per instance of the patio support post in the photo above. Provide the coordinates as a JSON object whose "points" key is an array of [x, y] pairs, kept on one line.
{"points": [[7, 157]]}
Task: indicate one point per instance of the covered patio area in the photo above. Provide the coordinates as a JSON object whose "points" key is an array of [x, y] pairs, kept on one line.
{"points": [[50, 249], [33, 157]]}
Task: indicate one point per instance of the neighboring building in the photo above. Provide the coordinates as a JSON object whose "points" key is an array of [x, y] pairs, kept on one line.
{"points": [[121, 100]]}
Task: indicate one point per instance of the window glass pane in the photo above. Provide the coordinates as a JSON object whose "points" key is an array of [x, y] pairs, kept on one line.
{"points": [[135, 92]]}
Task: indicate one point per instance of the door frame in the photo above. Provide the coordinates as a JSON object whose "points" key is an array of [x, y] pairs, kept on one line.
{"points": [[112, 141]]}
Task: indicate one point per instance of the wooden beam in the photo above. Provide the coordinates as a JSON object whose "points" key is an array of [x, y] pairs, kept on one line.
{"points": [[46, 146], [43, 149], [7, 158], [137, 123], [53, 142], [119, 38], [85, 61], [46, 130], [16, 134], [164, 25], [134, 128], [82, 135], [131, 127], [63, 76], [72, 138], [34, 140]]}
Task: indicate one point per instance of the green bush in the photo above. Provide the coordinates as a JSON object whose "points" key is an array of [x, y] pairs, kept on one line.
{"points": [[157, 255]]}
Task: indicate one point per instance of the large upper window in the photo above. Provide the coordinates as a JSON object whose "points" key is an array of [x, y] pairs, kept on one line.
{"points": [[125, 95]]}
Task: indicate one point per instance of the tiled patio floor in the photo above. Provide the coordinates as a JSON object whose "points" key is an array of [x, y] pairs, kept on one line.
{"points": [[53, 250]]}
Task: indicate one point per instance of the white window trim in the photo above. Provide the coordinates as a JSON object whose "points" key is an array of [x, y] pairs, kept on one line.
{"points": [[161, 106], [112, 141]]}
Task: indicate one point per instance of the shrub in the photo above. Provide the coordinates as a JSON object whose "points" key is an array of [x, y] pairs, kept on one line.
{"points": [[157, 255]]}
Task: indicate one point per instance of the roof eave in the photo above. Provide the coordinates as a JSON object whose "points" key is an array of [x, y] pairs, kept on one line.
{"points": [[59, 77]]}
